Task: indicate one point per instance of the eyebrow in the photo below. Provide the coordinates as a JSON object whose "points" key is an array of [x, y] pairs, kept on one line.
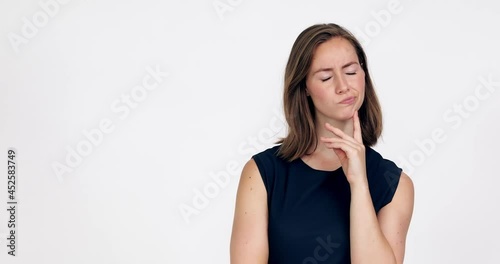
{"points": [[331, 69]]}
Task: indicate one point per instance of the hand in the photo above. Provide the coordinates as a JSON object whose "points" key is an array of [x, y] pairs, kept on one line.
{"points": [[349, 150]]}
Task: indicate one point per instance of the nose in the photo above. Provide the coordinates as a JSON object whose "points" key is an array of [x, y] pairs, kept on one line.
{"points": [[341, 85]]}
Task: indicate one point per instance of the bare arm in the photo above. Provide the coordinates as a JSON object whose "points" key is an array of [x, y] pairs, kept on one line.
{"points": [[394, 218], [249, 242], [380, 239]]}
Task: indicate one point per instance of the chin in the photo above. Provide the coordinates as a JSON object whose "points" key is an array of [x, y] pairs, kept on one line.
{"points": [[340, 114], [346, 113]]}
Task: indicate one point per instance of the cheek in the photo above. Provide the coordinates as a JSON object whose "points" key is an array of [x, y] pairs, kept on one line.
{"points": [[362, 90], [319, 92], [360, 87], [322, 95], [360, 82], [316, 89]]}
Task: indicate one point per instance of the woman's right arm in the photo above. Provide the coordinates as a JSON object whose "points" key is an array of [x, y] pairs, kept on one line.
{"points": [[249, 242]]}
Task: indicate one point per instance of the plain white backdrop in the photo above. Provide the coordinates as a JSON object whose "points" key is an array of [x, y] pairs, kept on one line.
{"points": [[110, 171]]}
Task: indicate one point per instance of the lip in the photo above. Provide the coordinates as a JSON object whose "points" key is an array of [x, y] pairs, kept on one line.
{"points": [[348, 100]]}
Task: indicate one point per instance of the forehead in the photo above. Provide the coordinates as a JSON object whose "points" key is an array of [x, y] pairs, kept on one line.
{"points": [[334, 51]]}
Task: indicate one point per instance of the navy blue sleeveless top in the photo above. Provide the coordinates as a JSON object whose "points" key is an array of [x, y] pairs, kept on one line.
{"points": [[309, 208]]}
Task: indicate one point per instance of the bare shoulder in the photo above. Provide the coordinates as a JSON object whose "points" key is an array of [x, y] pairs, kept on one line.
{"points": [[403, 200], [251, 181], [250, 169], [249, 236], [406, 190]]}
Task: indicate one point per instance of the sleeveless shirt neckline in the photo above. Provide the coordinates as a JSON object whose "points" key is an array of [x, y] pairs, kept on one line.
{"points": [[316, 170]]}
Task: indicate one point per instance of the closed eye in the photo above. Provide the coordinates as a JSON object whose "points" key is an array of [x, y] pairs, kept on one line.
{"points": [[351, 73], [326, 79]]}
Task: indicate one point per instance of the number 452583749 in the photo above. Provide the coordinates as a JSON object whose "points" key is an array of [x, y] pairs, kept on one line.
{"points": [[11, 173]]}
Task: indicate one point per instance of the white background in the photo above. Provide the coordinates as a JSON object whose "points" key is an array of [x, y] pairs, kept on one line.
{"points": [[216, 108]]}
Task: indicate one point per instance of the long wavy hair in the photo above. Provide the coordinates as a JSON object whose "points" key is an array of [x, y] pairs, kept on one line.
{"points": [[299, 108]]}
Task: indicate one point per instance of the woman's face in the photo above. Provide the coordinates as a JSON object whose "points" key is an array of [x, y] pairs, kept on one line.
{"points": [[335, 75]]}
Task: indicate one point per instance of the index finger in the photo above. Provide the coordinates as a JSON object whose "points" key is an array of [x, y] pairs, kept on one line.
{"points": [[357, 128]]}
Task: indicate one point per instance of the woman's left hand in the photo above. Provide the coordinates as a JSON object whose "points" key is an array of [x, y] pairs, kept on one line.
{"points": [[350, 151]]}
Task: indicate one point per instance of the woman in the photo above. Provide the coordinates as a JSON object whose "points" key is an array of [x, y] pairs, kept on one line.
{"points": [[324, 195]]}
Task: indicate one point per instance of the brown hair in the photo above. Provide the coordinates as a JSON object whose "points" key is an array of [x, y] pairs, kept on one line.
{"points": [[299, 109]]}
